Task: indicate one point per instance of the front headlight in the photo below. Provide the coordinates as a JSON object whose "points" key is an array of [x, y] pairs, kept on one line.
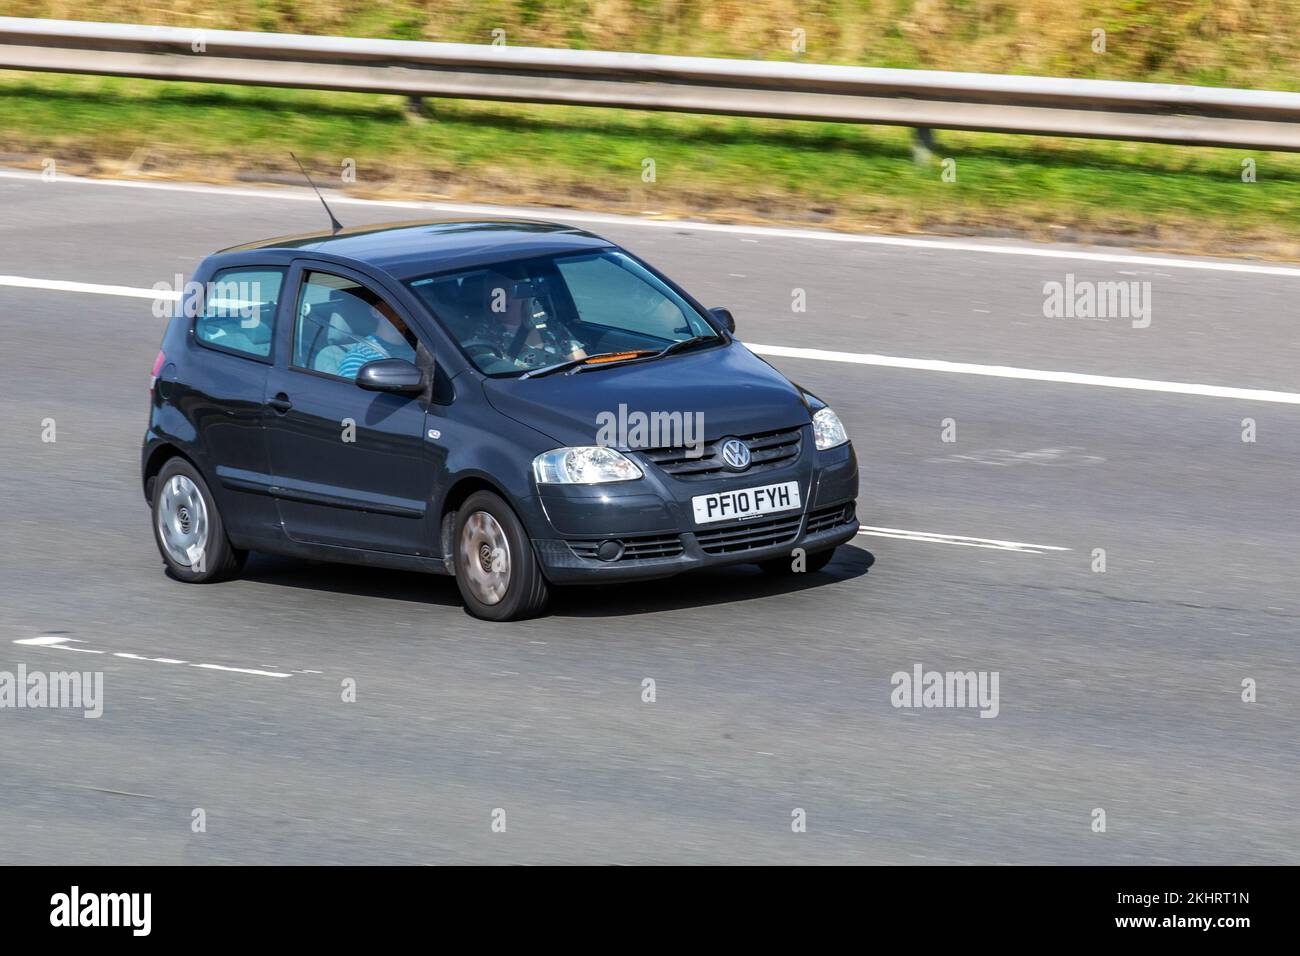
{"points": [[827, 430], [584, 465]]}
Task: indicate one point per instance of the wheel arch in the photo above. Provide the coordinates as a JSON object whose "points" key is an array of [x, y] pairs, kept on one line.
{"points": [[158, 457], [451, 502]]}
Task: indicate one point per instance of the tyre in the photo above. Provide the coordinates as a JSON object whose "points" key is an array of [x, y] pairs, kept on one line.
{"points": [[189, 531], [497, 571], [785, 565]]}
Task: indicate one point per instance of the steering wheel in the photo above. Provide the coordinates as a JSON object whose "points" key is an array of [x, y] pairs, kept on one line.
{"points": [[479, 347]]}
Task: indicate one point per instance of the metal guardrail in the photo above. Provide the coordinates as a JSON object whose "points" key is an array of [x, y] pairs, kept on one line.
{"points": [[1099, 109]]}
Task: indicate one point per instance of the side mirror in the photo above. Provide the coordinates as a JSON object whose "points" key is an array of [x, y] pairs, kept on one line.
{"points": [[390, 375], [725, 317]]}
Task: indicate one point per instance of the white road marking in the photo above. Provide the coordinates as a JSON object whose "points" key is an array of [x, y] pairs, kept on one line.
{"points": [[1071, 456], [959, 540], [59, 285], [826, 355], [241, 670], [1030, 374], [64, 644], [58, 643], [775, 232], [155, 660]]}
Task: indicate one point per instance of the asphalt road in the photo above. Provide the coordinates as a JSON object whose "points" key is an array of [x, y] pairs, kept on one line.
{"points": [[1119, 690]]}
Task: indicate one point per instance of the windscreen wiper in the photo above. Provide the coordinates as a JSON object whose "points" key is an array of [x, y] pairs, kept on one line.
{"points": [[649, 356], [592, 361], [685, 344], [616, 358]]}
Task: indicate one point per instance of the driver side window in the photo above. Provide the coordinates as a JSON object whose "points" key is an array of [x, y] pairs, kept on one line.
{"points": [[340, 325]]}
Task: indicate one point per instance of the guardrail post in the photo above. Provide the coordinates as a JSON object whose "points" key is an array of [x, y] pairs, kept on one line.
{"points": [[922, 145], [417, 109]]}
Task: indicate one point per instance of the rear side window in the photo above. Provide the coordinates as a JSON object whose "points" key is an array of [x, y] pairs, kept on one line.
{"points": [[239, 310]]}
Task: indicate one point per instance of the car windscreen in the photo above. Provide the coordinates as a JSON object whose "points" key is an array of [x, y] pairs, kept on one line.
{"points": [[515, 317]]}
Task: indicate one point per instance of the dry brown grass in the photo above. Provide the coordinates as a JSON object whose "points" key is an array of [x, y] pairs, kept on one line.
{"points": [[1224, 42]]}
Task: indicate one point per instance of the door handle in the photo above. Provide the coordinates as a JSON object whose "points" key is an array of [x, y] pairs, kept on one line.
{"points": [[280, 403]]}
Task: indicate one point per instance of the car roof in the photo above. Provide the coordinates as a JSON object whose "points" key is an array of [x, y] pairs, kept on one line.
{"points": [[410, 249]]}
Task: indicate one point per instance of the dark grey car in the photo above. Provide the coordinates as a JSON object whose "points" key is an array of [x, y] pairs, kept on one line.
{"points": [[519, 404]]}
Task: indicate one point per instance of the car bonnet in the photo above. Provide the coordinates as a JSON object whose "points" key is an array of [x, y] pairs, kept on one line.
{"points": [[732, 390]]}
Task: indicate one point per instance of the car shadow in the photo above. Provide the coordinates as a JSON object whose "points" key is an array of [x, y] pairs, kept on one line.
{"points": [[356, 580], [705, 588], [693, 590]]}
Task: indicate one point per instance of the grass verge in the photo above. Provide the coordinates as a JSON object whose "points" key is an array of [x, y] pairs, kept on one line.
{"points": [[838, 176]]}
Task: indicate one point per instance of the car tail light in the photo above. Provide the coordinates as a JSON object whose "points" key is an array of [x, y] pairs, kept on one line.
{"points": [[158, 364]]}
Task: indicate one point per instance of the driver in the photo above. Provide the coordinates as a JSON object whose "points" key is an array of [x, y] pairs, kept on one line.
{"points": [[524, 332], [377, 338]]}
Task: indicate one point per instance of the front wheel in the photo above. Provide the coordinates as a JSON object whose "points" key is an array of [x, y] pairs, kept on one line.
{"points": [[812, 562], [497, 571]]}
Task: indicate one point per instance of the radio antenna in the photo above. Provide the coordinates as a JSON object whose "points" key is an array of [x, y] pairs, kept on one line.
{"points": [[335, 225]]}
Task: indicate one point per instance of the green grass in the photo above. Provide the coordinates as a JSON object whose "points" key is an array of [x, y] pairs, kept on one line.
{"points": [[842, 176], [722, 168]]}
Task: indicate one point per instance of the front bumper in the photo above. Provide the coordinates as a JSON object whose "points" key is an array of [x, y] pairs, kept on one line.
{"points": [[563, 565], [652, 523]]}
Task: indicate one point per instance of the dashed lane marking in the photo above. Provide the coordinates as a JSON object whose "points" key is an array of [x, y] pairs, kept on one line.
{"points": [[68, 644], [960, 540]]}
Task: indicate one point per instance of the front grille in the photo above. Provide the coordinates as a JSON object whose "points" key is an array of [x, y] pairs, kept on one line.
{"points": [[637, 548], [767, 450], [749, 535], [828, 518]]}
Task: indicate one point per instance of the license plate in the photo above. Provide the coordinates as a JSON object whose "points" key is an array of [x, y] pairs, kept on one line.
{"points": [[746, 502]]}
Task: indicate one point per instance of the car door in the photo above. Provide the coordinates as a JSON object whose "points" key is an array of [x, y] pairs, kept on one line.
{"points": [[348, 465]]}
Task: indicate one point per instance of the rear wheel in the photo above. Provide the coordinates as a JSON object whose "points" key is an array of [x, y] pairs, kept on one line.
{"points": [[189, 531], [497, 571], [812, 562]]}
